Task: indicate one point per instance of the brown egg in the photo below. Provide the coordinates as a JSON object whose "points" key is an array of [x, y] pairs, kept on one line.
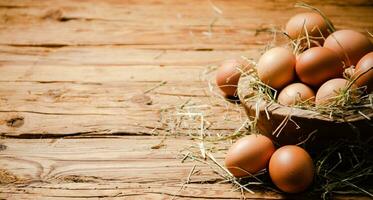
{"points": [[317, 65], [313, 22], [365, 77], [249, 155], [295, 93], [228, 75], [276, 67], [350, 45], [331, 89], [291, 169]]}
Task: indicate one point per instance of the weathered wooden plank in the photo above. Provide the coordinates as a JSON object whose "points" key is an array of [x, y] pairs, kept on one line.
{"points": [[154, 23], [95, 74], [52, 159], [193, 38], [51, 108], [176, 13], [109, 106], [117, 56], [132, 191], [126, 166]]}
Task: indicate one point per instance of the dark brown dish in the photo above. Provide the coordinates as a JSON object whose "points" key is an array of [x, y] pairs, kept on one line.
{"points": [[290, 125]]}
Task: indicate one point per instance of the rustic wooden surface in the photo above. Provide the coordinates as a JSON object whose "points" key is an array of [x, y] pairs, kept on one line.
{"points": [[81, 115]]}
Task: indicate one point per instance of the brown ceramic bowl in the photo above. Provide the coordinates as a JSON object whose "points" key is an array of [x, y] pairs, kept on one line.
{"points": [[310, 128]]}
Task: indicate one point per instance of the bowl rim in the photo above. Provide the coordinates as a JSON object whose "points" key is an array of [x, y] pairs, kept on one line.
{"points": [[275, 108]]}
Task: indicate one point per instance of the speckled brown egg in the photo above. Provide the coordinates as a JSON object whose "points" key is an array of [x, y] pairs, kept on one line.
{"points": [[295, 93], [350, 45], [228, 75], [330, 90], [291, 169], [364, 72], [313, 22], [276, 67], [317, 65], [249, 155]]}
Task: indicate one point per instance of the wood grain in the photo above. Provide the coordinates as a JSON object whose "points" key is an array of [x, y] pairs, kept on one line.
{"points": [[87, 88], [125, 167], [121, 167], [102, 101], [60, 23]]}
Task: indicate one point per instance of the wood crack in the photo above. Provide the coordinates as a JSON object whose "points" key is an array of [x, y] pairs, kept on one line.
{"points": [[55, 113], [50, 82], [75, 135], [12, 7], [46, 45], [120, 194], [195, 196], [184, 95], [45, 135], [148, 46]]}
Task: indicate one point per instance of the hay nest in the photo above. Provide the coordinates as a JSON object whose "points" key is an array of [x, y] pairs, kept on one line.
{"points": [[291, 125]]}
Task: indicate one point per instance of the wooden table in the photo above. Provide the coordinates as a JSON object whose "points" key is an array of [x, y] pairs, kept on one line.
{"points": [[90, 91]]}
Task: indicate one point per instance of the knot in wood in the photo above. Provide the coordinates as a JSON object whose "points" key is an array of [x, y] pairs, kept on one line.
{"points": [[142, 99], [15, 122]]}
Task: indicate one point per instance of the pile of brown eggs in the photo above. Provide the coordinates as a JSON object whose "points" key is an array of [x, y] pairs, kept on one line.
{"points": [[290, 167], [328, 64]]}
